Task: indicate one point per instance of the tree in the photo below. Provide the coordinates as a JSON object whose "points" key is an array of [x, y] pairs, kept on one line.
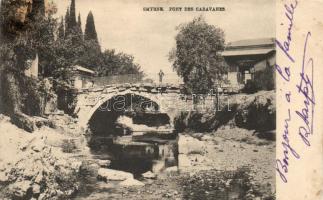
{"points": [[118, 64], [61, 30], [72, 17], [196, 56], [23, 35], [79, 24], [89, 55], [73, 27], [67, 22], [90, 31], [78, 30]]}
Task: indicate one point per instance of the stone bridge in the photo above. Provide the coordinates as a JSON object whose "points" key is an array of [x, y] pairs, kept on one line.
{"points": [[91, 99]]}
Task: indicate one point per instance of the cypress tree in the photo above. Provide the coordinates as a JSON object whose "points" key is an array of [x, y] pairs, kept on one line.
{"points": [[79, 21], [90, 31], [67, 22], [79, 25], [61, 33], [72, 15], [77, 30]]}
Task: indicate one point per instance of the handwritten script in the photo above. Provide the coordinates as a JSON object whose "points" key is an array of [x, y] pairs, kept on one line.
{"points": [[304, 116]]}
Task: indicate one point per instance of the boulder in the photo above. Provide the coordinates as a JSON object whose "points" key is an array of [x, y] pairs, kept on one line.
{"points": [[39, 177], [188, 145], [23, 121], [184, 161], [131, 182], [38, 146], [76, 165], [113, 175], [19, 189], [149, 175], [36, 189], [171, 169], [3, 177], [104, 163]]}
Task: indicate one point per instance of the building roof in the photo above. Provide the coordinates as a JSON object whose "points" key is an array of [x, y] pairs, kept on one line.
{"points": [[260, 46], [246, 52], [83, 69], [252, 42]]}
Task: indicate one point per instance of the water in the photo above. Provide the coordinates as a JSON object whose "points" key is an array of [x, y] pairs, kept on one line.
{"points": [[136, 155], [133, 154]]}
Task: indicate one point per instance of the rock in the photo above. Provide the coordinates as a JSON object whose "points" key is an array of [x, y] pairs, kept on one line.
{"points": [[39, 177], [149, 175], [167, 195], [109, 185], [3, 177], [113, 175], [19, 189], [171, 169], [131, 182], [23, 121], [188, 144], [158, 166], [60, 112], [207, 138], [184, 161], [104, 163], [76, 165], [36, 189], [38, 146]]}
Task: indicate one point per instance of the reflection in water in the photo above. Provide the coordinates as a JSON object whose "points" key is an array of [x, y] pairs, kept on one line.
{"points": [[129, 154]]}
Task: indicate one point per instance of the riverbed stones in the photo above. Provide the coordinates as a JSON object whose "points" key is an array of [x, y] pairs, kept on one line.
{"points": [[113, 175], [171, 170], [19, 189], [76, 165], [39, 177], [3, 177], [104, 163], [190, 145], [36, 189], [131, 182], [149, 175], [38, 146]]}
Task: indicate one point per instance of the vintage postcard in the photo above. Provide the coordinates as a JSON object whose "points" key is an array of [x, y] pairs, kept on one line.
{"points": [[161, 99]]}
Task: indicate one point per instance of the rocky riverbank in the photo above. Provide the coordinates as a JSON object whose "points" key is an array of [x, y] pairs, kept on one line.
{"points": [[34, 165], [250, 111]]}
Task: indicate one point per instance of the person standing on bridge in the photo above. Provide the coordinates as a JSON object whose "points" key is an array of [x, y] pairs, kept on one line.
{"points": [[161, 75]]}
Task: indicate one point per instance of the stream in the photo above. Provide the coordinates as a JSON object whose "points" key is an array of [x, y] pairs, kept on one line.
{"points": [[128, 147], [153, 149]]}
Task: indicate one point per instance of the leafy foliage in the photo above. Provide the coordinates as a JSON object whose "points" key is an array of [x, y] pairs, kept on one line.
{"points": [[263, 80], [196, 57], [118, 63]]}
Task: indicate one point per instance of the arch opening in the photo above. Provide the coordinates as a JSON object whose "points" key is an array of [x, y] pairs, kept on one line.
{"points": [[123, 115], [132, 132]]}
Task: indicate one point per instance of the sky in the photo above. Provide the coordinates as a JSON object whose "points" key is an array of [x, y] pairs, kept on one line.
{"points": [[149, 36]]}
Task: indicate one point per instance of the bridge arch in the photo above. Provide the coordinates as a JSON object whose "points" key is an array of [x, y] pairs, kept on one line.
{"points": [[86, 115]]}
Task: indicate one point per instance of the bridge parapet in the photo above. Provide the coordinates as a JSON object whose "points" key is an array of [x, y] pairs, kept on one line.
{"points": [[149, 88]]}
